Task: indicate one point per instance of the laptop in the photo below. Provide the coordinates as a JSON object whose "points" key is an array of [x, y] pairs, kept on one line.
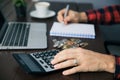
{"points": [[22, 35]]}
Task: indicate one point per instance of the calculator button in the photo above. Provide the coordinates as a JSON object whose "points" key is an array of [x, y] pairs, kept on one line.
{"points": [[46, 66], [44, 59], [41, 62]]}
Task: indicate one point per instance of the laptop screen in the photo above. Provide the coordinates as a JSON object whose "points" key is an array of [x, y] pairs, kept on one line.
{"points": [[2, 20]]}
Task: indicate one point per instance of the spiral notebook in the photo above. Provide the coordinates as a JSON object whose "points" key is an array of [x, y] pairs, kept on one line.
{"points": [[78, 30]]}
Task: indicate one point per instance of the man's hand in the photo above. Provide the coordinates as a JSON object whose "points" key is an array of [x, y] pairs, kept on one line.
{"points": [[82, 60], [72, 16]]}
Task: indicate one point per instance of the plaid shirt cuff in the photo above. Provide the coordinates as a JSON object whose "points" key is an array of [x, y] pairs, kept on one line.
{"points": [[117, 71]]}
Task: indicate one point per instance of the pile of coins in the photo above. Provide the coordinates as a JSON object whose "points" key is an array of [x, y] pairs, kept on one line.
{"points": [[68, 43]]}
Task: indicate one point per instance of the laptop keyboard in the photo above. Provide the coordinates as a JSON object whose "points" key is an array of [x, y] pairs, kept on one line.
{"points": [[16, 34]]}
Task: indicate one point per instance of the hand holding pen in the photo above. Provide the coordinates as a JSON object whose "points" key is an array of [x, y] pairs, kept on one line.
{"points": [[63, 14], [67, 16]]}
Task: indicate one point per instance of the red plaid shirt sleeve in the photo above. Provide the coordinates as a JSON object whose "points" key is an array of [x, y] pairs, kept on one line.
{"points": [[106, 15], [117, 71]]}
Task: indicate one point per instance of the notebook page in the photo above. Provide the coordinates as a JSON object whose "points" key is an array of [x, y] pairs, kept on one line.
{"points": [[73, 30]]}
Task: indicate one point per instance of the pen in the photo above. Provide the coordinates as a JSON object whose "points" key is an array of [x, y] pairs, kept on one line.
{"points": [[66, 11]]}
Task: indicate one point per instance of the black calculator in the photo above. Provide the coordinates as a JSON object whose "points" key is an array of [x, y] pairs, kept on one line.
{"points": [[37, 62]]}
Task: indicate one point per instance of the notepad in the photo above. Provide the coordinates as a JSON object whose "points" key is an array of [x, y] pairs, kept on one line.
{"points": [[78, 30]]}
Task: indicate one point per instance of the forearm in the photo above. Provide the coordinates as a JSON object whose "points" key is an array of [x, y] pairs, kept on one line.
{"points": [[109, 63]]}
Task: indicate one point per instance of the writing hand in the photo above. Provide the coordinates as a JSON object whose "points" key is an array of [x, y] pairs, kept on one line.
{"points": [[72, 16]]}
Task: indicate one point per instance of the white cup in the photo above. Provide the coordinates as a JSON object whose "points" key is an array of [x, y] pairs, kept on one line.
{"points": [[42, 8]]}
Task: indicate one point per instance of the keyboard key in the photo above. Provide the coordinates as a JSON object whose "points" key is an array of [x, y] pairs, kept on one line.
{"points": [[16, 34]]}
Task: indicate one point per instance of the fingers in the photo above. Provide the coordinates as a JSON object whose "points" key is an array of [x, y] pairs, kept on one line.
{"points": [[68, 63], [68, 58], [58, 59], [63, 56], [60, 15], [65, 64], [79, 68], [68, 18], [71, 71], [60, 18]]}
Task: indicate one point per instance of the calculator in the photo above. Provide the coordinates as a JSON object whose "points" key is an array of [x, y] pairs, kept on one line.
{"points": [[36, 62]]}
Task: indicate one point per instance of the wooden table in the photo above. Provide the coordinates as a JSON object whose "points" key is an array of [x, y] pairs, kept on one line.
{"points": [[9, 68]]}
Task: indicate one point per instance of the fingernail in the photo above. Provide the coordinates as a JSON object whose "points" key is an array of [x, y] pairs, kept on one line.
{"points": [[65, 73], [55, 67], [52, 61]]}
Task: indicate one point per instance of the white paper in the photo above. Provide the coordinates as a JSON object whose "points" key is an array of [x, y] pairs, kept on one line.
{"points": [[73, 30]]}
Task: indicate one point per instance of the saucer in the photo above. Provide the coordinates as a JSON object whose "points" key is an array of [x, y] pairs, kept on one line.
{"points": [[36, 15]]}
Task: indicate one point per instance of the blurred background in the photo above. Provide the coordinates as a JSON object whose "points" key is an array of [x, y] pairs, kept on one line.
{"points": [[96, 3]]}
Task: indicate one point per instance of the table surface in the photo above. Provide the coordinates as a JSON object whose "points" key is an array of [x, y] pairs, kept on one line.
{"points": [[9, 68]]}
